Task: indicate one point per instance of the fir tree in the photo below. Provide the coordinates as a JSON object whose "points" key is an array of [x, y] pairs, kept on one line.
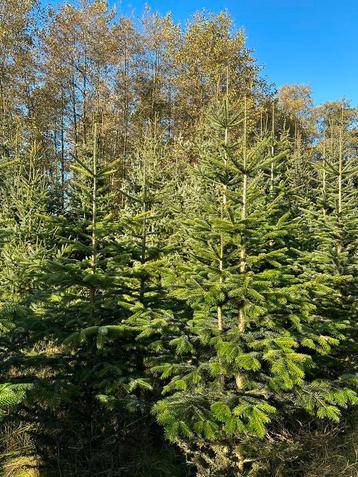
{"points": [[102, 302], [253, 338], [331, 223]]}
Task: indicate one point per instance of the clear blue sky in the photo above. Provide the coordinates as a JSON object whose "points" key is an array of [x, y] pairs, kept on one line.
{"points": [[298, 41]]}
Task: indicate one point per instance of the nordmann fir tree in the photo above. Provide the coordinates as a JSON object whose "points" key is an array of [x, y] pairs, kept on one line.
{"points": [[252, 343], [147, 220], [103, 290], [24, 248], [331, 221], [78, 299], [14, 255], [144, 228], [139, 256]]}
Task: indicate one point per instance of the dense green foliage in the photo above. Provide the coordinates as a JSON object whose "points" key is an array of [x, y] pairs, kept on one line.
{"points": [[178, 246]]}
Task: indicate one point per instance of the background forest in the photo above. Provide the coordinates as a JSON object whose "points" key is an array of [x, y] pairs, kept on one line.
{"points": [[178, 254]]}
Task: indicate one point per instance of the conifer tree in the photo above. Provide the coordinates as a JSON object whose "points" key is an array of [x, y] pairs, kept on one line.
{"points": [[25, 246], [102, 302], [331, 221], [253, 339]]}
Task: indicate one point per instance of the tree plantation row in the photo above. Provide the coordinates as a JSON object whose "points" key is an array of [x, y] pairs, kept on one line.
{"points": [[178, 251]]}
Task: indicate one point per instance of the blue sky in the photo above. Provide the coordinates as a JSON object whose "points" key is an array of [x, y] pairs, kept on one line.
{"points": [[298, 41]]}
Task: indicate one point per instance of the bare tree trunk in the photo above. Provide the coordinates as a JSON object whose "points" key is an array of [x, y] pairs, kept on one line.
{"points": [[242, 322], [94, 220], [340, 166], [340, 179], [74, 114], [63, 154], [223, 205], [272, 147], [144, 228], [324, 177], [84, 113]]}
